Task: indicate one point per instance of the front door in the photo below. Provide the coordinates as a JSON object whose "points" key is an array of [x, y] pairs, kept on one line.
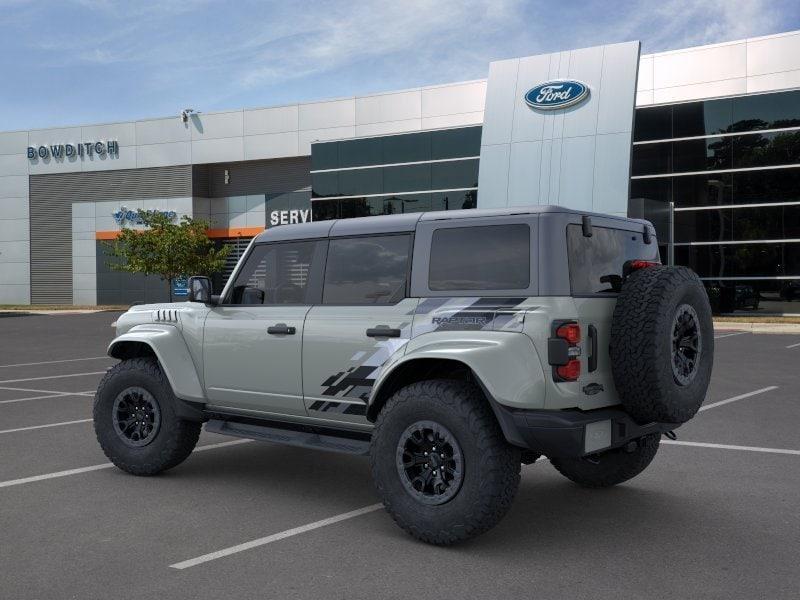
{"points": [[364, 318], [252, 346]]}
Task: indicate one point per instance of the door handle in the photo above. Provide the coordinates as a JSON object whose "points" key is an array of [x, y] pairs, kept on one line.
{"points": [[593, 348], [383, 331], [281, 329]]}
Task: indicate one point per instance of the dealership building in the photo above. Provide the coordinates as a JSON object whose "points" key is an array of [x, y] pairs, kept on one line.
{"points": [[704, 141]]}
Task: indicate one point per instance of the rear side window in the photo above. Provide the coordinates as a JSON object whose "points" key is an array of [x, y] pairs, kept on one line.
{"points": [[595, 263], [486, 257], [367, 270]]}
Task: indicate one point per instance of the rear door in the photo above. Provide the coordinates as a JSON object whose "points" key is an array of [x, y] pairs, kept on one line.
{"points": [[364, 318], [252, 345]]}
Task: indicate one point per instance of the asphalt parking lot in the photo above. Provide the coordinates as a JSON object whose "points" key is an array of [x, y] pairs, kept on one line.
{"points": [[715, 516]]}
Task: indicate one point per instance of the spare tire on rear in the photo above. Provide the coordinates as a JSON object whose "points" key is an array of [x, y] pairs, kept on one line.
{"points": [[662, 344]]}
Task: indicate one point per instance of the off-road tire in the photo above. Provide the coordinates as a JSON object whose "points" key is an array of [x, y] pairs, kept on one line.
{"points": [[641, 347], [175, 438], [612, 467], [491, 471]]}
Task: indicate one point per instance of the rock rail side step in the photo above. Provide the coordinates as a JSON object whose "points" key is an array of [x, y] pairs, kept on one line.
{"points": [[290, 437]]}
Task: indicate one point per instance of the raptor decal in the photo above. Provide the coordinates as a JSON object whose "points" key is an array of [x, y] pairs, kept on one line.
{"points": [[357, 380], [431, 314]]}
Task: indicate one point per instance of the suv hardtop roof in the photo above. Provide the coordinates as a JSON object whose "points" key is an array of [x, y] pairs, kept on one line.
{"points": [[407, 222]]}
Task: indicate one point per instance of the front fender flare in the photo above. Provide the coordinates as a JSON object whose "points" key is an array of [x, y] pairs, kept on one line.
{"points": [[167, 343]]}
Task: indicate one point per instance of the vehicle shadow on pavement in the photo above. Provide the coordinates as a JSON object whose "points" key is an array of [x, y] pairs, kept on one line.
{"points": [[549, 513], [285, 471]]}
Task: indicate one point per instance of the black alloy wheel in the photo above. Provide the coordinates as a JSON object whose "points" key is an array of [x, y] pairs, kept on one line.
{"points": [[686, 344], [136, 416], [430, 462]]}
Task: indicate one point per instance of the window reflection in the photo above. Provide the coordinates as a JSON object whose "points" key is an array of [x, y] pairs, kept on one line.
{"points": [[728, 115], [344, 208], [400, 148], [701, 118], [396, 179], [740, 260]]}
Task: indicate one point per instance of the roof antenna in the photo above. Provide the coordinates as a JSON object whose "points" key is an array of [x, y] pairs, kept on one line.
{"points": [[586, 225]]}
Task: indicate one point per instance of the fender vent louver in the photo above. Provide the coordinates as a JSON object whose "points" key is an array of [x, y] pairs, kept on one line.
{"points": [[166, 315]]}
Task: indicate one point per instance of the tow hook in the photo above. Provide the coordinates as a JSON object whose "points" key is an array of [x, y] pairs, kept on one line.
{"points": [[670, 435]]}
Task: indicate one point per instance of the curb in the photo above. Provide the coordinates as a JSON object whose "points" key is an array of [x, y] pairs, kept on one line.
{"points": [[758, 327], [18, 311]]}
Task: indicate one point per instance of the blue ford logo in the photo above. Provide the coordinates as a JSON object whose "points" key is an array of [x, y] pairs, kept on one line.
{"points": [[556, 94]]}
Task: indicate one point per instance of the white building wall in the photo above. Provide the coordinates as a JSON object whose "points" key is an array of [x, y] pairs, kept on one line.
{"points": [[753, 65], [84, 254], [236, 212], [576, 156], [14, 220], [251, 134]]}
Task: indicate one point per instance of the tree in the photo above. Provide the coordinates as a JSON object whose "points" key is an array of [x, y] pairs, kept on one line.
{"points": [[166, 248]]}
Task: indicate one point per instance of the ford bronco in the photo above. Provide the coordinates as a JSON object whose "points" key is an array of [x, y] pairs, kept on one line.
{"points": [[450, 347]]}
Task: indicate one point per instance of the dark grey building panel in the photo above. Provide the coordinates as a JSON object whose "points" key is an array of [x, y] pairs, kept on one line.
{"points": [[255, 177], [51, 246], [123, 184]]}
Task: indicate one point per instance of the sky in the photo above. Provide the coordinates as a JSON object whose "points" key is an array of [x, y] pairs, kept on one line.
{"points": [[72, 62]]}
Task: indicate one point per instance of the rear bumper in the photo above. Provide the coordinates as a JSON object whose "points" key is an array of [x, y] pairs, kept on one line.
{"points": [[573, 433]]}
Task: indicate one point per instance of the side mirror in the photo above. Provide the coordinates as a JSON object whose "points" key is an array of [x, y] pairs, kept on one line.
{"points": [[200, 290]]}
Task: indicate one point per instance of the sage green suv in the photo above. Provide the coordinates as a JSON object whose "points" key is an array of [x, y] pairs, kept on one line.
{"points": [[450, 347]]}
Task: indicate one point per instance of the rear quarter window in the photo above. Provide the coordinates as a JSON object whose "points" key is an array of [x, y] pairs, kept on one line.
{"points": [[482, 257], [595, 263]]}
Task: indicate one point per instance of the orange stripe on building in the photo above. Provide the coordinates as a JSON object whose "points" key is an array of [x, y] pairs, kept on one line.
{"points": [[232, 232], [235, 232]]}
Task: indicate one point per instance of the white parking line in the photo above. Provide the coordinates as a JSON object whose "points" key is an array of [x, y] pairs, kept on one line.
{"points": [[69, 472], [52, 377], [50, 362], [730, 447], [793, 346], [27, 389], [48, 394], [33, 398], [44, 426], [724, 335], [740, 397], [276, 537]]}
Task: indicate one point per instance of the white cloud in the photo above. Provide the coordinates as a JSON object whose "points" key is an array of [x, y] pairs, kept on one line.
{"points": [[675, 24], [344, 33]]}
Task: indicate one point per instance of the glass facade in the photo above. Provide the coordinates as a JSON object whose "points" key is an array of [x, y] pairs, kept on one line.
{"points": [[414, 172], [730, 168]]}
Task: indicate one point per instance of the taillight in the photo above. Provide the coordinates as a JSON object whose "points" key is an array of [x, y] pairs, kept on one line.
{"points": [[634, 265], [570, 371], [570, 332], [564, 350]]}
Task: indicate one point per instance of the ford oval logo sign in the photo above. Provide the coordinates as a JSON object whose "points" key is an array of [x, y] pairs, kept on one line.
{"points": [[556, 94]]}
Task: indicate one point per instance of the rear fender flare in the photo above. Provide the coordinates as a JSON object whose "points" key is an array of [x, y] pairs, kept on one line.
{"points": [[505, 365]]}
